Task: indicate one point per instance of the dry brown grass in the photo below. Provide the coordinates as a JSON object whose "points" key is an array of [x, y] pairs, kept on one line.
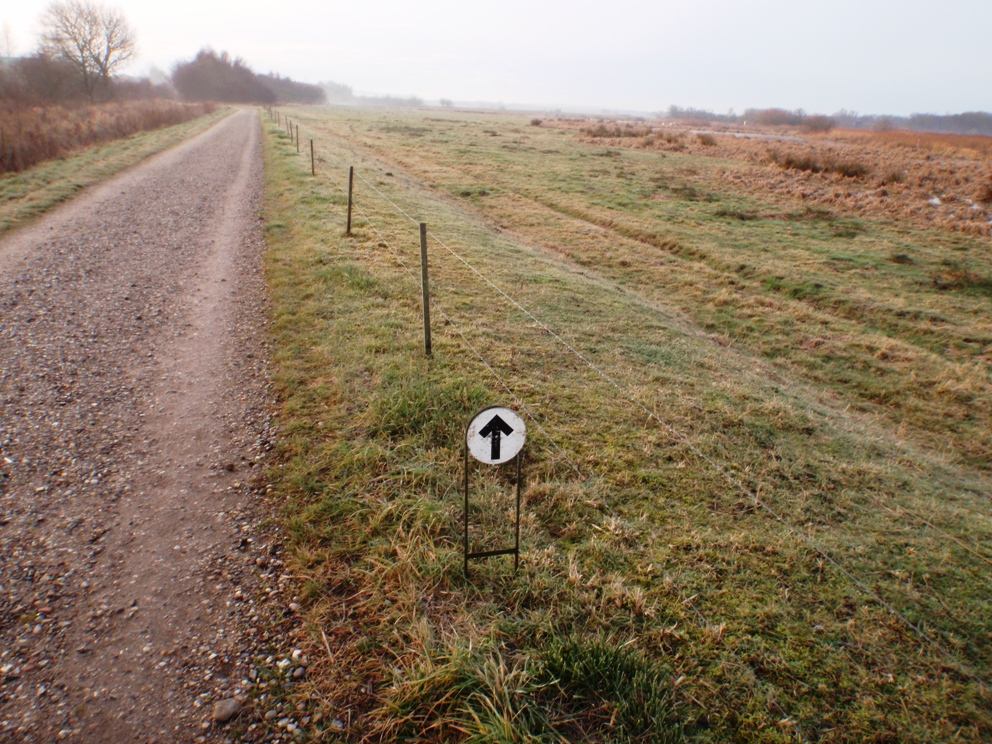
{"points": [[928, 180], [33, 134], [933, 142]]}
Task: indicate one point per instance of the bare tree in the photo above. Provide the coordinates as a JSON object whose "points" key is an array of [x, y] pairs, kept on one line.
{"points": [[6, 43], [94, 39]]}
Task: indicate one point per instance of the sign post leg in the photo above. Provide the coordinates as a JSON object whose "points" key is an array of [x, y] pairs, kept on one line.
{"points": [[466, 511], [516, 555]]}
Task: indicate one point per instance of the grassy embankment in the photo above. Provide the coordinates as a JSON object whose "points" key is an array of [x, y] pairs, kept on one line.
{"points": [[26, 194], [840, 383]]}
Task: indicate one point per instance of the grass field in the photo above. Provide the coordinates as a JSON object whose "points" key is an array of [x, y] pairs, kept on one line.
{"points": [[758, 466], [26, 194]]}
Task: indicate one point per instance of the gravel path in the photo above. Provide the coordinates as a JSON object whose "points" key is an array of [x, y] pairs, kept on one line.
{"points": [[132, 420]]}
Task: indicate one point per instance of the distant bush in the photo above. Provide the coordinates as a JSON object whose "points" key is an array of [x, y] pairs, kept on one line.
{"points": [[775, 117], [818, 123], [30, 135], [536, 122], [706, 139]]}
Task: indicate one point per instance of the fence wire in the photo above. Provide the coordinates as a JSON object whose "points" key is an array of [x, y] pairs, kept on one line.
{"points": [[725, 472]]}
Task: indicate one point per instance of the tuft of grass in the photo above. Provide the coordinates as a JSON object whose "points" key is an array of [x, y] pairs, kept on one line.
{"points": [[962, 280], [894, 176], [426, 407], [632, 690], [736, 214], [616, 131]]}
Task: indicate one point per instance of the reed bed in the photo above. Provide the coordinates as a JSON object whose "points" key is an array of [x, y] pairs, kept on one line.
{"points": [[33, 134]]}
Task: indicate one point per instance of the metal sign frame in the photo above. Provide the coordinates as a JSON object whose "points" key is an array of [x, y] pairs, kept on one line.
{"points": [[515, 550]]}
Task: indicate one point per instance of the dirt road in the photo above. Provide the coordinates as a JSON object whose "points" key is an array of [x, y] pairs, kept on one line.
{"points": [[132, 392]]}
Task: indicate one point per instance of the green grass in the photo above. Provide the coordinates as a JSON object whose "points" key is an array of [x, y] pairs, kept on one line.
{"points": [[645, 572], [30, 193]]}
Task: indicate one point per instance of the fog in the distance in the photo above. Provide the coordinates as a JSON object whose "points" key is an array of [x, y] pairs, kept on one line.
{"points": [[870, 56]]}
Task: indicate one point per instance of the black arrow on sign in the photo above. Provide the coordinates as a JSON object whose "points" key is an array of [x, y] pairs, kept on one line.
{"points": [[494, 429]]}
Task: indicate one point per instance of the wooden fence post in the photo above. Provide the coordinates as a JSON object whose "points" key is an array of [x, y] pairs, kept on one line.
{"points": [[351, 188]]}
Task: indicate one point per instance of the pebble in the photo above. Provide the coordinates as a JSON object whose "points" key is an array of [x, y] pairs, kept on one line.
{"points": [[225, 710]]}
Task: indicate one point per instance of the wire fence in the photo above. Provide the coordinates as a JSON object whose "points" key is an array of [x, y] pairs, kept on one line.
{"points": [[728, 474], [704, 624]]}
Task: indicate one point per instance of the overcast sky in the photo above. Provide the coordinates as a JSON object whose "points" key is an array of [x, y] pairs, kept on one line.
{"points": [[870, 56]]}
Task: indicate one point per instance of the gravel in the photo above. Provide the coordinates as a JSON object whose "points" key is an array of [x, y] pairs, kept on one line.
{"points": [[134, 566]]}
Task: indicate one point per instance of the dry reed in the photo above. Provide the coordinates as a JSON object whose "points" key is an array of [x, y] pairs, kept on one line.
{"points": [[33, 134]]}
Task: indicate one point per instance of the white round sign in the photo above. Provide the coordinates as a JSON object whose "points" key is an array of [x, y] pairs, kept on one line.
{"points": [[496, 435]]}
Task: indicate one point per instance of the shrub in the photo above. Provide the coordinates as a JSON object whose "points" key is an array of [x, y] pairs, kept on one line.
{"points": [[850, 168], [793, 161], [811, 163], [706, 139], [818, 123], [535, 122]]}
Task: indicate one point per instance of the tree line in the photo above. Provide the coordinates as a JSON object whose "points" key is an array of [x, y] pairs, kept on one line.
{"points": [[213, 76], [84, 46], [972, 122]]}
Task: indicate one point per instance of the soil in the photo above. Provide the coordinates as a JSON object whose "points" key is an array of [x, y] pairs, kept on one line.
{"points": [[136, 573]]}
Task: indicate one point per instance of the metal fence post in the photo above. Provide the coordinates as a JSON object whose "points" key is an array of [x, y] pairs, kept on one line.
{"points": [[426, 288]]}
